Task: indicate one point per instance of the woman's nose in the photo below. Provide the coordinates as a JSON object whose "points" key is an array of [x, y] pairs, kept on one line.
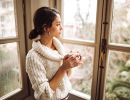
{"points": [[61, 28]]}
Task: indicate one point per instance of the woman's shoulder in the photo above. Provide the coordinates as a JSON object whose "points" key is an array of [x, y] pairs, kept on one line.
{"points": [[32, 54]]}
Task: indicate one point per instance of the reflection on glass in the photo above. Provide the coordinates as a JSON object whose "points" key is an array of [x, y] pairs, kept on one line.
{"points": [[9, 68], [79, 19], [7, 19], [118, 76], [121, 22], [81, 77]]}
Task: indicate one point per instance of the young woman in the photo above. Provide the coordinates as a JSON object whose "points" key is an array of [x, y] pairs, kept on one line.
{"points": [[47, 64]]}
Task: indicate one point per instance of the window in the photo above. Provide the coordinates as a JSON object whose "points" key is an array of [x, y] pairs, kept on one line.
{"points": [[79, 33], [13, 83], [7, 16], [99, 30], [80, 21], [118, 61]]}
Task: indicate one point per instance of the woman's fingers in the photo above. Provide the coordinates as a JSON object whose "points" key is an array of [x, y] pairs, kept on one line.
{"points": [[66, 56], [72, 60]]}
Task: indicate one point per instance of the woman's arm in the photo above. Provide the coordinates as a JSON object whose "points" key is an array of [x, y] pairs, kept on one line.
{"points": [[68, 63], [37, 76], [55, 81]]}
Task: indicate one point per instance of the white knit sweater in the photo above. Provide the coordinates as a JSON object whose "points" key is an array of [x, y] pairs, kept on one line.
{"points": [[41, 65]]}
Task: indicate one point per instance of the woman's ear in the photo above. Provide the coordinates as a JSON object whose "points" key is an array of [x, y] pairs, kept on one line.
{"points": [[46, 29]]}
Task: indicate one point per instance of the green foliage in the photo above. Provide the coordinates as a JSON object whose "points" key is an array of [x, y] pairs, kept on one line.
{"points": [[117, 84], [120, 87]]}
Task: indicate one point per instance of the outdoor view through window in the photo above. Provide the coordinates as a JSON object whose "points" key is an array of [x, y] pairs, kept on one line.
{"points": [[10, 78], [118, 67], [79, 17]]}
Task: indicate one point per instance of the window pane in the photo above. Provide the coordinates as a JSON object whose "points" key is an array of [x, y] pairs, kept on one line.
{"points": [[118, 76], [10, 74], [7, 19], [121, 22], [79, 19], [81, 77]]}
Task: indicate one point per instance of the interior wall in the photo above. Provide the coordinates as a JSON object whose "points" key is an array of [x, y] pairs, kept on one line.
{"points": [[35, 4]]}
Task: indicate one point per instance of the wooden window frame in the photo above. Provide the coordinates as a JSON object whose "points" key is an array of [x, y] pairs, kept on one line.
{"points": [[20, 40]]}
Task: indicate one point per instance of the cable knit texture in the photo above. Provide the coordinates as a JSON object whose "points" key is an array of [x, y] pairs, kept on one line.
{"points": [[41, 65]]}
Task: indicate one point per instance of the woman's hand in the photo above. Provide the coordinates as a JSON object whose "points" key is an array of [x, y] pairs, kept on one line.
{"points": [[71, 60]]}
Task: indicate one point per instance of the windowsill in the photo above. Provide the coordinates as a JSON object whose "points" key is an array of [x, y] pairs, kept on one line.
{"points": [[80, 95], [10, 94], [73, 94]]}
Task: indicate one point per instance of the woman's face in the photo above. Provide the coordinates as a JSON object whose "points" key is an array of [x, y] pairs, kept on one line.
{"points": [[56, 28]]}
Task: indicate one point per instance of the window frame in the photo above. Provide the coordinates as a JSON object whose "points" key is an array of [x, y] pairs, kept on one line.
{"points": [[20, 40], [105, 34]]}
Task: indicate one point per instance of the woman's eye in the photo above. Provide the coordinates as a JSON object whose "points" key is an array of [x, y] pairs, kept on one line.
{"points": [[58, 24]]}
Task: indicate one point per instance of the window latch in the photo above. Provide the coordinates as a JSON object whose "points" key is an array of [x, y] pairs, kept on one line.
{"points": [[103, 51], [103, 45]]}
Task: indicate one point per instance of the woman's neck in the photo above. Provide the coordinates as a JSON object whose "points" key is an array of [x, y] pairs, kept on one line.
{"points": [[47, 41]]}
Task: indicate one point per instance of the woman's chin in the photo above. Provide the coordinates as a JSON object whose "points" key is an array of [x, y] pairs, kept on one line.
{"points": [[58, 36]]}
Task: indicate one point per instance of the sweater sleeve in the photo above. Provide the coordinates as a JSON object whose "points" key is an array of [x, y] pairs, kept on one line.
{"points": [[37, 76]]}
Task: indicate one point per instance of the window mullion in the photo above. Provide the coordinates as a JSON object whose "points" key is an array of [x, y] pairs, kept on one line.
{"points": [[9, 40], [103, 51]]}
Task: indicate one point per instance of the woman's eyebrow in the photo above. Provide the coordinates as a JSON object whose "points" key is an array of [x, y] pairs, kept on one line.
{"points": [[58, 22]]}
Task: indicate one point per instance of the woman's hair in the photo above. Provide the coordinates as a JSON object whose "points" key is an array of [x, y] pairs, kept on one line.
{"points": [[43, 18]]}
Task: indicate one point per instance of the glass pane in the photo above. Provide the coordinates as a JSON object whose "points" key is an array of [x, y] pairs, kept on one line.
{"points": [[79, 19], [121, 22], [81, 77], [7, 19], [118, 76], [10, 78]]}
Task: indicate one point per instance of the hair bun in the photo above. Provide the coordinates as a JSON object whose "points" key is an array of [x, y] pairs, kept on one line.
{"points": [[33, 34]]}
